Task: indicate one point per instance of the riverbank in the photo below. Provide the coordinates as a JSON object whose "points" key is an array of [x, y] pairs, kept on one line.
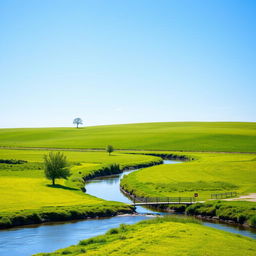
{"points": [[62, 213], [237, 212], [166, 236], [105, 170]]}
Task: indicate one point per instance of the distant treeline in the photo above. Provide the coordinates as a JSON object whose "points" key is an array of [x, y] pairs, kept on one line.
{"points": [[12, 161]]}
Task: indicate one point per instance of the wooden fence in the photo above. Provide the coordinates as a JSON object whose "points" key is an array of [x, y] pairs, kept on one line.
{"points": [[223, 195]]}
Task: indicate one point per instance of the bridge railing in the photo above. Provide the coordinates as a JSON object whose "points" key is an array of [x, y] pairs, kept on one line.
{"points": [[223, 195], [163, 199]]}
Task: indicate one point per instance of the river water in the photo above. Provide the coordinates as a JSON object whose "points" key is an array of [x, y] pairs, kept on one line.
{"points": [[25, 241]]}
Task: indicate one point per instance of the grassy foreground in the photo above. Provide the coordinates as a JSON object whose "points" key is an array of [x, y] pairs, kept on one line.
{"points": [[28, 197], [190, 136], [163, 237], [209, 173]]}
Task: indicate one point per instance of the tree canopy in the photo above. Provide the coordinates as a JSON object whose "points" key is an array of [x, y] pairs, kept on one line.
{"points": [[77, 121], [109, 149], [56, 166]]}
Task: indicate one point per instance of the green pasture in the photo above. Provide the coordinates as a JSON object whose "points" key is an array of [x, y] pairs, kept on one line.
{"points": [[209, 173], [23, 186], [162, 237], [96, 157], [186, 136]]}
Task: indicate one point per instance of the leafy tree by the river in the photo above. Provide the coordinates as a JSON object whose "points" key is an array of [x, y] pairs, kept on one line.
{"points": [[56, 166]]}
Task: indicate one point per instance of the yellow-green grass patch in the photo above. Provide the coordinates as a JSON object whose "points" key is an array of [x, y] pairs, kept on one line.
{"points": [[32, 193], [209, 173]]}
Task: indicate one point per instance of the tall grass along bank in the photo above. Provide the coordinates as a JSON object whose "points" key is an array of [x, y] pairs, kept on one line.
{"points": [[235, 211]]}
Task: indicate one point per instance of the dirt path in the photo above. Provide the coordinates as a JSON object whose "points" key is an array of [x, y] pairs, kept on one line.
{"points": [[251, 197]]}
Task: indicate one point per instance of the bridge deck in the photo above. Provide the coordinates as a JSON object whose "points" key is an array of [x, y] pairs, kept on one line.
{"points": [[160, 203]]}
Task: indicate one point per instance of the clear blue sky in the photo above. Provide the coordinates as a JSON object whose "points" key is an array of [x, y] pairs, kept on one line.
{"points": [[126, 61]]}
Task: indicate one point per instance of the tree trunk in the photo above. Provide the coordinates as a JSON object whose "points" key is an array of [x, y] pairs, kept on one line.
{"points": [[76, 125], [53, 181]]}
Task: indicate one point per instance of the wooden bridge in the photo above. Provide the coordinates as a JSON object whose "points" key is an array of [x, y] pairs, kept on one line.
{"points": [[143, 201], [154, 201]]}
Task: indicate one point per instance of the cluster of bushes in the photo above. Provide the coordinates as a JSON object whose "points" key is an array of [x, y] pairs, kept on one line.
{"points": [[236, 211], [172, 156], [142, 164], [168, 156], [102, 170], [12, 161], [62, 213]]}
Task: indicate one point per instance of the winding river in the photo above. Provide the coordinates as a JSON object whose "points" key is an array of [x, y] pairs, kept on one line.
{"points": [[24, 241]]}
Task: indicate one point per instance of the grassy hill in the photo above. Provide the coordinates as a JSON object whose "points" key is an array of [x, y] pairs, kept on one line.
{"points": [[187, 136]]}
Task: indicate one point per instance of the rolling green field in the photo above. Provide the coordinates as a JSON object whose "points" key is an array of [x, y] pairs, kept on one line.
{"points": [[186, 136], [24, 187], [162, 237], [209, 173], [28, 197]]}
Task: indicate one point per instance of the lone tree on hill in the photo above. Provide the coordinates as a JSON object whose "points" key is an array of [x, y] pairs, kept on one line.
{"points": [[77, 121], [55, 166], [109, 149]]}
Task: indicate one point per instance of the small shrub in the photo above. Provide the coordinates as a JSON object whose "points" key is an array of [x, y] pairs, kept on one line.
{"points": [[241, 218], [252, 221], [65, 252], [88, 241], [5, 222], [113, 231], [123, 228]]}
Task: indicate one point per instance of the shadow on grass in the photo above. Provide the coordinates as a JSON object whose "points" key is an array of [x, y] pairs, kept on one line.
{"points": [[61, 186]]}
